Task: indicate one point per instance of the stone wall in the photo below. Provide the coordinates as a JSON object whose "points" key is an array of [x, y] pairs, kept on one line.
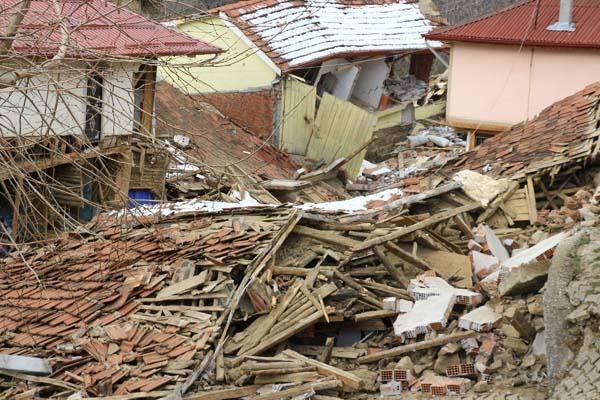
{"points": [[458, 11], [571, 315]]}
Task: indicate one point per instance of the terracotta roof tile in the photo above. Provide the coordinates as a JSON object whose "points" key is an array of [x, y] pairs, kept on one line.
{"points": [[97, 29]]}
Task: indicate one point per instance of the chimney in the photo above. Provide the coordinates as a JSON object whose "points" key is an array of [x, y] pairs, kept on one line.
{"points": [[565, 18]]}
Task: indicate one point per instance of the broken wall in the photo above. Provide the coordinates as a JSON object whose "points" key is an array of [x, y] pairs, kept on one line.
{"points": [[252, 110]]}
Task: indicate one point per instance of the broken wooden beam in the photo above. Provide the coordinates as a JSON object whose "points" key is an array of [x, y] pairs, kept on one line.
{"points": [[225, 394], [348, 379], [310, 387], [398, 233], [397, 274], [325, 236], [408, 257], [377, 314], [409, 348], [499, 201]]}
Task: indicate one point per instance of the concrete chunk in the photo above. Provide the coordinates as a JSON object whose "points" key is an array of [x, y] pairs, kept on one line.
{"points": [[524, 280], [26, 365]]}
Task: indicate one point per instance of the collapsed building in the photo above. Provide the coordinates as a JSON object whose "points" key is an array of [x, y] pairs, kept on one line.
{"points": [[76, 112], [302, 76]]}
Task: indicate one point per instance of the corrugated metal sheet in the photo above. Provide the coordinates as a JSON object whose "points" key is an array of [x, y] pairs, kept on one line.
{"points": [[96, 28], [526, 23], [299, 33]]}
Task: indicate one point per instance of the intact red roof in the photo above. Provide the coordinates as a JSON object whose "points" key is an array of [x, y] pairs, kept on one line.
{"points": [[563, 133], [525, 24], [299, 33], [96, 28], [218, 142]]}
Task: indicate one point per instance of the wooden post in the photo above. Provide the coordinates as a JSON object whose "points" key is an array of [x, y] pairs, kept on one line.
{"points": [[16, 208], [531, 201]]}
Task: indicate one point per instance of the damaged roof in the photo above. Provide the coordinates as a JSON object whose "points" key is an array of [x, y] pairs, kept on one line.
{"points": [[96, 28], [109, 305], [219, 142], [302, 33], [565, 132], [525, 24]]}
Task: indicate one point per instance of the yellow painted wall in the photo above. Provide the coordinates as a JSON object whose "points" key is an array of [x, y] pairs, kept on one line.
{"points": [[298, 116], [238, 68]]}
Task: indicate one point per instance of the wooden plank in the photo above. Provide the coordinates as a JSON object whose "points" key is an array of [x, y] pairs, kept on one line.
{"points": [[408, 256], [60, 159], [340, 128], [498, 201], [396, 273], [325, 236], [377, 314], [398, 233], [310, 387], [274, 340], [298, 113], [273, 316], [348, 379], [531, 201], [409, 348], [463, 227], [325, 357], [295, 377], [225, 394], [183, 286]]}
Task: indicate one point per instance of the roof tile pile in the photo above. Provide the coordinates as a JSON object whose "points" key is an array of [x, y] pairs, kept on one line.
{"points": [[128, 305]]}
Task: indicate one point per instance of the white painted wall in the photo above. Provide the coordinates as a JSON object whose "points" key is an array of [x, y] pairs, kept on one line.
{"points": [[55, 103], [369, 83], [344, 84]]}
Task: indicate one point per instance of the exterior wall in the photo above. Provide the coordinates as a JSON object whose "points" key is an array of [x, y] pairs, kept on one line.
{"points": [[55, 103], [492, 87], [458, 11], [369, 85], [240, 67], [253, 110]]}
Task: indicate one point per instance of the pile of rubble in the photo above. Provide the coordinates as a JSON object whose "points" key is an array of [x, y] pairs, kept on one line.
{"points": [[427, 149], [389, 292]]}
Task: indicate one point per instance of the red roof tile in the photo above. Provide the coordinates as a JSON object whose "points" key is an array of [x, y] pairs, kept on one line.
{"points": [[524, 24], [97, 28]]}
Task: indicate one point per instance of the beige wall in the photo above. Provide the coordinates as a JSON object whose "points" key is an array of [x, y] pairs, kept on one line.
{"points": [[495, 86]]}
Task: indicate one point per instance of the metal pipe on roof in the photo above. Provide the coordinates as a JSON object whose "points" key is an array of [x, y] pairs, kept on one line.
{"points": [[565, 18]]}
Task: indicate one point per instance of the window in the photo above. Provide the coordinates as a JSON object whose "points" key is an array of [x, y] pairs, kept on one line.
{"points": [[93, 111]]}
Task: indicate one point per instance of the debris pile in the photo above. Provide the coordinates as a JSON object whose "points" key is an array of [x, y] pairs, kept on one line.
{"points": [[128, 304], [407, 88]]}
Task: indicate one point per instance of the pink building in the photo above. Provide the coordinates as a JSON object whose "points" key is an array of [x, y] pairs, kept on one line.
{"points": [[507, 67]]}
